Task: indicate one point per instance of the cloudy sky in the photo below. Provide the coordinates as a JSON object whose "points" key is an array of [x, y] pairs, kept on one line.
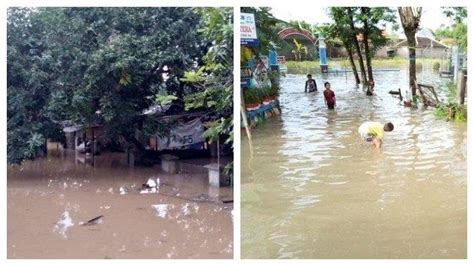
{"points": [[432, 17]]}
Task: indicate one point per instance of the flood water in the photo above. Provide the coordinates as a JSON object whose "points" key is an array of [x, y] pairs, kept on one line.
{"points": [[311, 187], [50, 201]]}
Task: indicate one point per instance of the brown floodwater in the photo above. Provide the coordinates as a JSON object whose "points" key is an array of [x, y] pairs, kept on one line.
{"points": [[51, 199], [311, 187]]}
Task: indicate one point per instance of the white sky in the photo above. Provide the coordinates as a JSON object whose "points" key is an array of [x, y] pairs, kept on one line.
{"points": [[432, 18]]}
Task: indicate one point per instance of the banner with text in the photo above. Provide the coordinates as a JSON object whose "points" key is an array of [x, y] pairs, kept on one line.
{"points": [[182, 135]]}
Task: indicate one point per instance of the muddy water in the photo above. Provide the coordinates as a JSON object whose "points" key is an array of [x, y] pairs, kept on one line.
{"points": [[311, 188], [50, 199]]}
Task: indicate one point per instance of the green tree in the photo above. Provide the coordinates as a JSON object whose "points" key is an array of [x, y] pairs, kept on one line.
{"points": [[372, 18], [298, 50], [458, 30], [340, 29], [28, 80], [213, 82], [361, 29], [301, 25], [99, 65], [458, 14], [350, 12]]}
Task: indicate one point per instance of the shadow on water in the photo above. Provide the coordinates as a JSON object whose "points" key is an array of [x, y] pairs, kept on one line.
{"points": [[311, 188], [61, 207]]}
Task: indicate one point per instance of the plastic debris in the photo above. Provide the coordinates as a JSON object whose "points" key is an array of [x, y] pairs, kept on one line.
{"points": [[64, 223], [94, 221], [162, 209]]}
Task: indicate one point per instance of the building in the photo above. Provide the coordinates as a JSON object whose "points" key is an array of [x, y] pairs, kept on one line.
{"points": [[426, 46]]}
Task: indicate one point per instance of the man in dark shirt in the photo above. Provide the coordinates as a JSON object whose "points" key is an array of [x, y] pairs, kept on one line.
{"points": [[310, 85], [329, 96]]}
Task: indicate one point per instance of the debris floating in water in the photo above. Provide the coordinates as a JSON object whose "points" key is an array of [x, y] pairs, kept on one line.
{"points": [[123, 190], [189, 208], [162, 209], [202, 197], [152, 183], [122, 249], [94, 221], [149, 190], [64, 223], [151, 186]]}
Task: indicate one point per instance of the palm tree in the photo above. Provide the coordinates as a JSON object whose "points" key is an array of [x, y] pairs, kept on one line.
{"points": [[299, 49]]}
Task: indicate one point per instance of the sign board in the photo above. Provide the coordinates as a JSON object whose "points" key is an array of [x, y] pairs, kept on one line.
{"points": [[248, 30], [182, 135]]}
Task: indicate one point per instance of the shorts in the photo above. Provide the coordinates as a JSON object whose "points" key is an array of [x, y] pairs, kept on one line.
{"points": [[331, 105]]}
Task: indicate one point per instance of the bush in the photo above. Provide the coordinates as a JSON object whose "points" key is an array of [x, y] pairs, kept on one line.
{"points": [[451, 111], [256, 95], [436, 66], [250, 96], [419, 66]]}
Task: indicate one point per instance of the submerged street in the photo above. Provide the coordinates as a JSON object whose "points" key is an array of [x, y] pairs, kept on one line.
{"points": [[312, 188], [50, 198]]}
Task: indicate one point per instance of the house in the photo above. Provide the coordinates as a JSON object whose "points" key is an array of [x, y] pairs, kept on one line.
{"points": [[426, 46]]}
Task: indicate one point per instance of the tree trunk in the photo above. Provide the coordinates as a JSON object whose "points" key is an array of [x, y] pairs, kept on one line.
{"points": [[354, 68], [356, 44], [412, 58], [366, 12], [410, 18]]}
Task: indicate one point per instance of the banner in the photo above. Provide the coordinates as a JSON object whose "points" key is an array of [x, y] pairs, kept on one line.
{"points": [[182, 136], [248, 30]]}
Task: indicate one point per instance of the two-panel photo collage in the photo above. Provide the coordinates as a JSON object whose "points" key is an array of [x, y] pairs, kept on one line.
{"points": [[129, 136]]}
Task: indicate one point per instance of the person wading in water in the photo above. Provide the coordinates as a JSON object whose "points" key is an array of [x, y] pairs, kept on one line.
{"points": [[329, 96], [310, 84]]}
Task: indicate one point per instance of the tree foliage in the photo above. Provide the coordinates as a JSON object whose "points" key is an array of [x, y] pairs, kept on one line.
{"points": [[104, 66], [213, 83], [361, 30], [458, 30], [458, 14]]}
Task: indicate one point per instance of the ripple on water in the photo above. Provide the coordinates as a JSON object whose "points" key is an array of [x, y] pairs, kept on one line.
{"points": [[312, 164]]}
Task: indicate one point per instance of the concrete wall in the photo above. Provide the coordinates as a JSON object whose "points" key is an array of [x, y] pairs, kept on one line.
{"points": [[423, 53]]}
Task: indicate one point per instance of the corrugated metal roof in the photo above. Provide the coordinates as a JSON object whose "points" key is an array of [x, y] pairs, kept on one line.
{"points": [[423, 42]]}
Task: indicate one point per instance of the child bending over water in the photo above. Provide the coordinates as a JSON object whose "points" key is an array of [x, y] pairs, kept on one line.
{"points": [[374, 131]]}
